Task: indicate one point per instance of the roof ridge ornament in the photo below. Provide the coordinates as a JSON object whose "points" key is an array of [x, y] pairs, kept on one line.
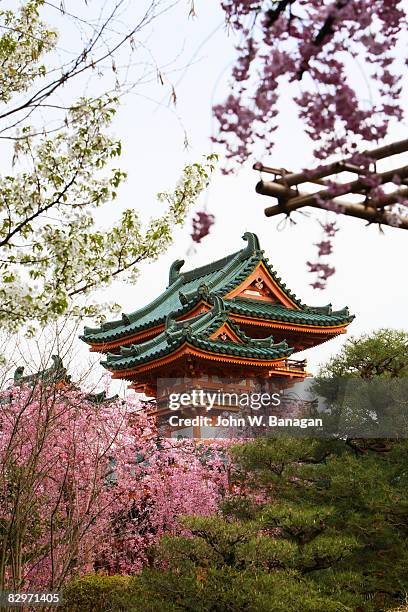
{"points": [[170, 327], [107, 325], [218, 304], [253, 245], [101, 398], [133, 349], [268, 341], [169, 321], [203, 290], [326, 310], [176, 329], [184, 299], [18, 374], [342, 312], [174, 272], [54, 373]]}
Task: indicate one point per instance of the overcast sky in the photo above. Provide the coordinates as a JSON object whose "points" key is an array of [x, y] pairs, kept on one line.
{"points": [[371, 275]]}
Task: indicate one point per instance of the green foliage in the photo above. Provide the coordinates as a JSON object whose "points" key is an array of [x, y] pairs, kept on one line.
{"points": [[94, 593], [229, 589], [331, 532], [332, 535], [381, 353], [366, 386], [195, 589], [25, 39]]}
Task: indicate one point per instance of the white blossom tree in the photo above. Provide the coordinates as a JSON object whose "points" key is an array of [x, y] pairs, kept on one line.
{"points": [[52, 253]]}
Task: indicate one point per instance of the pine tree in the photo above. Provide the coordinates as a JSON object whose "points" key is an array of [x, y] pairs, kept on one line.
{"points": [[318, 525]]}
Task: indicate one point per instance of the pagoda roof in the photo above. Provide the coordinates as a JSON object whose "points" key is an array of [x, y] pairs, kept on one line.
{"points": [[186, 289], [198, 332], [307, 315], [54, 374]]}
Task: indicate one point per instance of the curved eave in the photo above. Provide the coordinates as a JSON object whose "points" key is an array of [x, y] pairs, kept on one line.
{"points": [[217, 349], [133, 338], [123, 334], [189, 349], [340, 327]]}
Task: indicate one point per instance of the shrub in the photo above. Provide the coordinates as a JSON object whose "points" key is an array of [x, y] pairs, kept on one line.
{"points": [[99, 593]]}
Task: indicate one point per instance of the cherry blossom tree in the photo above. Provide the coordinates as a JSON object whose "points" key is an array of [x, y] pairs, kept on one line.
{"points": [[341, 62], [343, 54], [202, 222], [86, 484]]}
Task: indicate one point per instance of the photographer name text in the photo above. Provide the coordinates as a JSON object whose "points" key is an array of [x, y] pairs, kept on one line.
{"points": [[247, 421]]}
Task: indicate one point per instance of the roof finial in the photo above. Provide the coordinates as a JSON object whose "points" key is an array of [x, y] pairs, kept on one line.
{"points": [[218, 303], [253, 242], [18, 373], [174, 271], [169, 321]]}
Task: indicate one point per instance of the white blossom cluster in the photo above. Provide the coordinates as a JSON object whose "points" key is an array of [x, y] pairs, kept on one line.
{"points": [[52, 252]]}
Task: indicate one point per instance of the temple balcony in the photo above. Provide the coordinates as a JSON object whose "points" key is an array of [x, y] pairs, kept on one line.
{"points": [[297, 366]]}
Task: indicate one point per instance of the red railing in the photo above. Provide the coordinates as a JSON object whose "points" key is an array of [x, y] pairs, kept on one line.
{"points": [[293, 364]]}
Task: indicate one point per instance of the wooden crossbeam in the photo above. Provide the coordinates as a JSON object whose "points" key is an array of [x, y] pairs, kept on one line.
{"points": [[297, 178], [285, 188], [295, 200]]}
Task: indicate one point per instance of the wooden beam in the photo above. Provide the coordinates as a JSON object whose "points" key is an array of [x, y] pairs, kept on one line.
{"points": [[360, 211], [296, 178], [310, 200], [294, 201], [282, 172]]}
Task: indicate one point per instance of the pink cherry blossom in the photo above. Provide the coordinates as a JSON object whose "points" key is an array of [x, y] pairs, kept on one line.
{"points": [[320, 46], [86, 486]]}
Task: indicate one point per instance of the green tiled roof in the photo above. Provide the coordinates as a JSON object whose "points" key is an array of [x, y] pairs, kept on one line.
{"points": [[54, 374], [185, 289], [196, 332], [277, 312]]}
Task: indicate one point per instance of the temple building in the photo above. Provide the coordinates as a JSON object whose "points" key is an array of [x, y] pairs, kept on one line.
{"points": [[55, 376], [233, 318]]}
